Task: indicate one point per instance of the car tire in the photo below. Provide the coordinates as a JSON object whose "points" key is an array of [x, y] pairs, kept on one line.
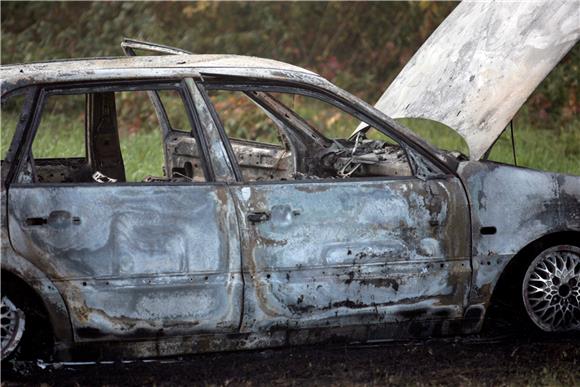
{"points": [[550, 290]]}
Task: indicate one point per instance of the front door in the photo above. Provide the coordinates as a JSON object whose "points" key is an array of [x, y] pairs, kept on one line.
{"points": [[319, 254], [323, 244]]}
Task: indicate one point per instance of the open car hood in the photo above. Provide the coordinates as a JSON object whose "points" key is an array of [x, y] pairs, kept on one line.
{"points": [[481, 64]]}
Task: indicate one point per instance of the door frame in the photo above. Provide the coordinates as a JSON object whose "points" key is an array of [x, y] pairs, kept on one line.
{"points": [[417, 157], [408, 146], [34, 107]]}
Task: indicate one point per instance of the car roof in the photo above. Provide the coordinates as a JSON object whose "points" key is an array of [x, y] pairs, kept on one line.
{"points": [[16, 76], [19, 75]]}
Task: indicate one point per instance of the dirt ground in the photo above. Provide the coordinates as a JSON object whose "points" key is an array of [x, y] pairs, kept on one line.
{"points": [[455, 361]]}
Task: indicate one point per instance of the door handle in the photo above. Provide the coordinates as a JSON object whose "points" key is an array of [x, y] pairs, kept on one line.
{"points": [[258, 216], [56, 219], [35, 221]]}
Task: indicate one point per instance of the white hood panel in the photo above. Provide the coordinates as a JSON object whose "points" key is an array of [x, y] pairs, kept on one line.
{"points": [[481, 64]]}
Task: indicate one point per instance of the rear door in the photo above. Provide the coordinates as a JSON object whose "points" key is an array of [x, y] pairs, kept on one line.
{"points": [[137, 251]]}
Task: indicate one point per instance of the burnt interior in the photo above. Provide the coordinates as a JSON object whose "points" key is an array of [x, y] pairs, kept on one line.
{"points": [[305, 153], [260, 161]]}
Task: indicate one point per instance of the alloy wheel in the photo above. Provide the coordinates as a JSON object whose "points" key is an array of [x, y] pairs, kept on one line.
{"points": [[551, 289], [13, 322]]}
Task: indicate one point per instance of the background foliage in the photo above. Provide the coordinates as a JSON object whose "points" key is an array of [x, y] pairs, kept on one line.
{"points": [[360, 46]]}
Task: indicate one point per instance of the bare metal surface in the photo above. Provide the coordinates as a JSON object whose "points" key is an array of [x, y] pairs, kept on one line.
{"points": [[523, 205], [551, 289], [13, 323], [144, 67], [137, 263], [309, 269], [263, 162], [257, 161], [222, 166], [40, 283], [481, 64]]}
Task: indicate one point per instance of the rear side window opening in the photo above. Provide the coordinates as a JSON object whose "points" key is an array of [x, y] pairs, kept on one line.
{"points": [[110, 134]]}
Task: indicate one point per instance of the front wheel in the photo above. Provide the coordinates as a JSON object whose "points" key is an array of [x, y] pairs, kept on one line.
{"points": [[13, 322], [551, 289]]}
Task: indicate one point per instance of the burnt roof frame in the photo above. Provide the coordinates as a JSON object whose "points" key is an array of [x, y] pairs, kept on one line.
{"points": [[129, 46]]}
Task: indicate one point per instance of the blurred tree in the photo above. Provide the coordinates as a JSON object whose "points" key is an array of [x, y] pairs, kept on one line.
{"points": [[360, 46]]}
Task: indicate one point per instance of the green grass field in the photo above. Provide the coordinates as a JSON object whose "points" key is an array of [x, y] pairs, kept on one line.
{"points": [[555, 150], [142, 151]]}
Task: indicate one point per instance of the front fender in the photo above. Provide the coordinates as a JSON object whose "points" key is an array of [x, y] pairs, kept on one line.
{"points": [[512, 207]]}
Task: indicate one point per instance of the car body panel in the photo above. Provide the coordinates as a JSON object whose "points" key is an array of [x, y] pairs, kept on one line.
{"points": [[223, 168], [481, 64], [37, 279], [522, 205], [338, 253], [146, 67], [140, 261]]}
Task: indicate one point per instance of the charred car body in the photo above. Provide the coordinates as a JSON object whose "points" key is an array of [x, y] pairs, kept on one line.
{"points": [[245, 244]]}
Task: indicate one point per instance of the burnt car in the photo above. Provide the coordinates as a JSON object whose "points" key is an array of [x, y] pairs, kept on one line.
{"points": [[289, 237]]}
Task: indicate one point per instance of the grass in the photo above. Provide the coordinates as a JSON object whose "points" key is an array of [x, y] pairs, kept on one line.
{"points": [[556, 150], [553, 150], [436, 362], [142, 151]]}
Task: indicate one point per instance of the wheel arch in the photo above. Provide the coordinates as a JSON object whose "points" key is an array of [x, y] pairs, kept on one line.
{"points": [[41, 291], [507, 286]]}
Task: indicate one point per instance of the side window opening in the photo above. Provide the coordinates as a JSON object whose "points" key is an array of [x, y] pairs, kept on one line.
{"points": [[176, 114], [325, 118], [370, 153], [113, 136], [61, 130], [59, 149], [10, 114], [242, 119], [256, 138], [316, 133], [140, 137]]}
